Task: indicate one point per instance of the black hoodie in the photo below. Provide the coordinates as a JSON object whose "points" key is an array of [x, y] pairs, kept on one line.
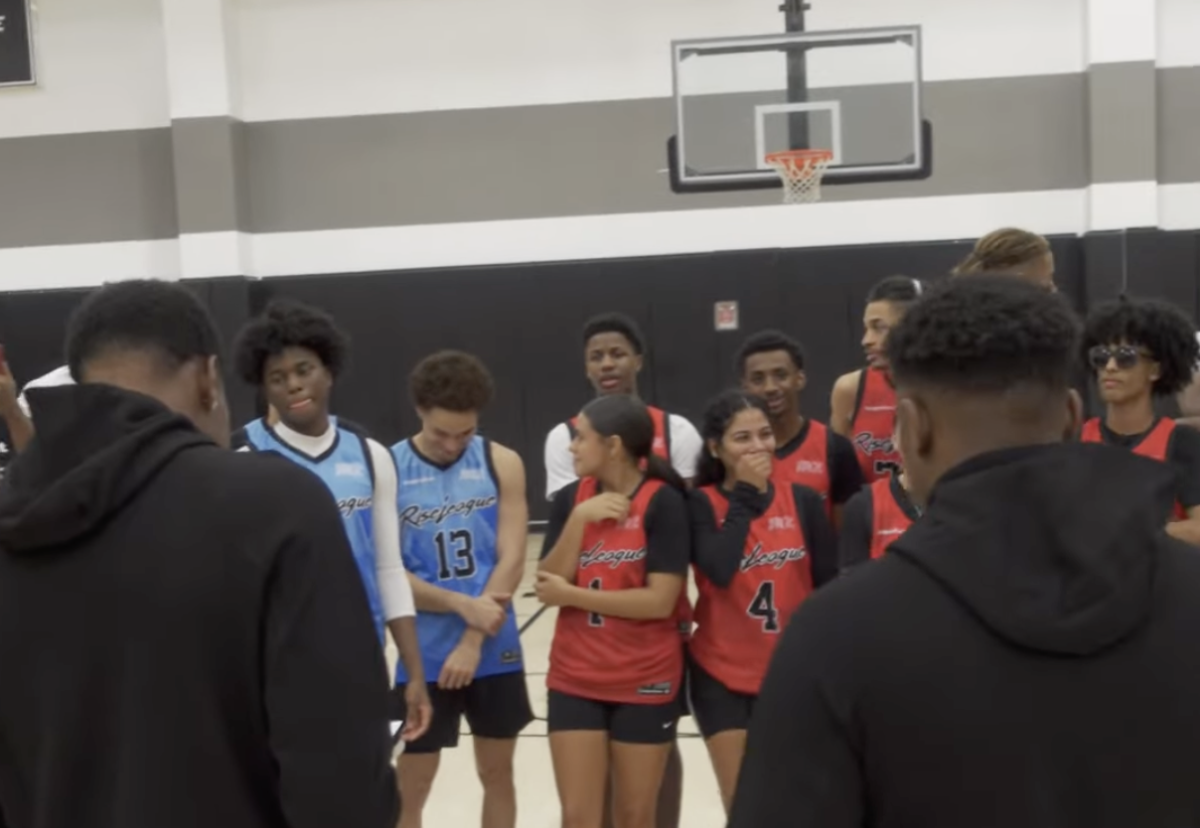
{"points": [[184, 638], [1026, 656]]}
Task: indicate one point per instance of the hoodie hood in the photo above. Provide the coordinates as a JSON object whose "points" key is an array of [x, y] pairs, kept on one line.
{"points": [[96, 447], [1053, 548]]}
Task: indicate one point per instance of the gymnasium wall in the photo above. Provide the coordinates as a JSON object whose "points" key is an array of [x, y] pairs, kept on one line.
{"points": [[276, 137], [524, 320]]}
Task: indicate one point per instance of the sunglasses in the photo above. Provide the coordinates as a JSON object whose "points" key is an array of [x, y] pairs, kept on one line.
{"points": [[1125, 356]]}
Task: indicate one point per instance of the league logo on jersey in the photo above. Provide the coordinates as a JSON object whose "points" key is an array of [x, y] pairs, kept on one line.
{"points": [[777, 559], [599, 556], [869, 444], [417, 517], [349, 505], [781, 523]]}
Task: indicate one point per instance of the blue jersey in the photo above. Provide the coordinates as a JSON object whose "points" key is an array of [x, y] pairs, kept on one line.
{"points": [[347, 470], [448, 519]]}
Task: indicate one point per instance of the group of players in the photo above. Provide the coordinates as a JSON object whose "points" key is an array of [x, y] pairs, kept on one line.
{"points": [[762, 505]]}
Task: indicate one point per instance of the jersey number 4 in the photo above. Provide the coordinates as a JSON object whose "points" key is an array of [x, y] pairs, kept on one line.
{"points": [[763, 607], [456, 554]]}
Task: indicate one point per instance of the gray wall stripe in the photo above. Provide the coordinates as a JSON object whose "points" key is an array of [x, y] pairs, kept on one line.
{"points": [[991, 135], [209, 174], [87, 187], [1122, 122]]}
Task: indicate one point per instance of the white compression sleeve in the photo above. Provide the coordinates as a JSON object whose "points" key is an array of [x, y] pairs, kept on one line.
{"points": [[394, 589]]}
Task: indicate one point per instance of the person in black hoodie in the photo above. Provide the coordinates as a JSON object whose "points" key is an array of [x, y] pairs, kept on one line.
{"points": [[1025, 655], [184, 638]]}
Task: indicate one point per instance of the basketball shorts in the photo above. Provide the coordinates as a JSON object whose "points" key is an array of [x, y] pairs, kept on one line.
{"points": [[638, 724], [496, 707], [715, 707]]}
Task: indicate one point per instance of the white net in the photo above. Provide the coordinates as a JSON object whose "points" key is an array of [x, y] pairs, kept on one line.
{"points": [[801, 172]]}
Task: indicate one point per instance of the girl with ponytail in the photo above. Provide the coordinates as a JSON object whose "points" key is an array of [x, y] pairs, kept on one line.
{"points": [[615, 562], [759, 550]]}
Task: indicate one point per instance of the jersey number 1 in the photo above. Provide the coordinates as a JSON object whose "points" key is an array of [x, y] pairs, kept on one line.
{"points": [[463, 553], [595, 619], [763, 607]]}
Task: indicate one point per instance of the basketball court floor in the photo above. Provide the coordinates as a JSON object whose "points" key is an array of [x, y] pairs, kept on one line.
{"points": [[457, 797]]}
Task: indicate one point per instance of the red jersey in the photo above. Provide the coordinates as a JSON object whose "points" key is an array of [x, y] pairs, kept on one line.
{"points": [[889, 515], [662, 432], [1155, 445], [738, 627], [662, 448], [872, 425], [611, 659], [807, 464]]}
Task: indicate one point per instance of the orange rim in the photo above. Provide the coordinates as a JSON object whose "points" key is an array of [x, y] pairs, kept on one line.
{"points": [[799, 155]]}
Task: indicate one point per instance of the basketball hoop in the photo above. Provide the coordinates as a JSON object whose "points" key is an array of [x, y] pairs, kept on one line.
{"points": [[801, 171]]}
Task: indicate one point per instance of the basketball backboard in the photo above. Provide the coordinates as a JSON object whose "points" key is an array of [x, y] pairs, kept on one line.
{"points": [[855, 92]]}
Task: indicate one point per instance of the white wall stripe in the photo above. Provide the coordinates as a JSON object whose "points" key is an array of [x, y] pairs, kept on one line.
{"points": [[595, 237], [1122, 205]]}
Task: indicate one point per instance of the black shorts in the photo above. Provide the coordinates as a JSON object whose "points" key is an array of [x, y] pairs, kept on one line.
{"points": [[715, 707], [496, 707], [639, 724]]}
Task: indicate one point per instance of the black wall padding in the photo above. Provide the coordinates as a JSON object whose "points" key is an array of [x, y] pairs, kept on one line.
{"points": [[524, 321]]}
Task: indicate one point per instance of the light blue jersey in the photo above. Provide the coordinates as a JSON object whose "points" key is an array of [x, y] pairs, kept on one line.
{"points": [[448, 520], [347, 471]]}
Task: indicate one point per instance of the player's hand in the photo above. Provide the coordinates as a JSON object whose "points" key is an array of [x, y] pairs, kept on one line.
{"points": [[8, 388], [419, 711], [486, 613], [755, 469], [604, 506], [553, 590], [461, 664]]}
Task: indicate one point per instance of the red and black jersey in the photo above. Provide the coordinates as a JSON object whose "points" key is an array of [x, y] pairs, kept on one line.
{"points": [[873, 520], [739, 622], [821, 460], [1155, 444], [662, 432], [615, 659], [891, 514], [872, 425]]}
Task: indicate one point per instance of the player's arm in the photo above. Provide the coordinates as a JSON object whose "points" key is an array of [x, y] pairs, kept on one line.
{"points": [[845, 475], [854, 539], [560, 465], [818, 534], [1185, 448], [512, 530], [667, 556], [320, 653], [564, 535], [395, 591], [801, 765], [718, 551], [686, 445], [841, 402]]}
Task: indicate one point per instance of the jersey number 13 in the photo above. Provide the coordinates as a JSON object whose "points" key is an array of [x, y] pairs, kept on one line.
{"points": [[455, 553]]}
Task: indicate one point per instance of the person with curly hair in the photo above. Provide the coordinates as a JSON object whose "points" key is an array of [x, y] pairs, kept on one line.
{"points": [[1139, 349], [1025, 654], [463, 522], [294, 354]]}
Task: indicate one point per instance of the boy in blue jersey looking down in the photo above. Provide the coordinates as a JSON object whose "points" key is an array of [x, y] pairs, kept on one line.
{"points": [[294, 353], [463, 524]]}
